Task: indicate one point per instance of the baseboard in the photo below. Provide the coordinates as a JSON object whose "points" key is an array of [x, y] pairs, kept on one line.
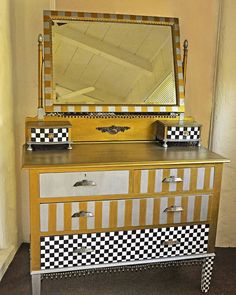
{"points": [[6, 257]]}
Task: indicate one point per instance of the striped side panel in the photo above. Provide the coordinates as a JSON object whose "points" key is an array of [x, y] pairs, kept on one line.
{"points": [[193, 179], [117, 214]]}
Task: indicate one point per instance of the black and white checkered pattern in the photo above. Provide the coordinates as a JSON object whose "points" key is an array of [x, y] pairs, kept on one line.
{"points": [[120, 246], [49, 135], [179, 133], [207, 268]]}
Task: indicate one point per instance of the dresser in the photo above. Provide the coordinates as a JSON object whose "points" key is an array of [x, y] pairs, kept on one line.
{"points": [[121, 204], [104, 194]]}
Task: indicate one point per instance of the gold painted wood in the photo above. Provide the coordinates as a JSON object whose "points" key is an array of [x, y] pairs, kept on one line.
{"points": [[215, 208], [34, 221], [99, 156], [52, 217]]}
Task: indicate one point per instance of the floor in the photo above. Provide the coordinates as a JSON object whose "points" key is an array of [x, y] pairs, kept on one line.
{"points": [[182, 280]]}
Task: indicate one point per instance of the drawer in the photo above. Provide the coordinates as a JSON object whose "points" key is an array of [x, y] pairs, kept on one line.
{"points": [[118, 214], [194, 179], [122, 246], [84, 183]]}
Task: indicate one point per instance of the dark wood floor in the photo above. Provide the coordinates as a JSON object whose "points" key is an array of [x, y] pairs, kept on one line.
{"points": [[181, 280]]}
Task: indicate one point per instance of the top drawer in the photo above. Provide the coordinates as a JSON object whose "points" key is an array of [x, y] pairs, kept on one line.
{"points": [[187, 179], [84, 183]]}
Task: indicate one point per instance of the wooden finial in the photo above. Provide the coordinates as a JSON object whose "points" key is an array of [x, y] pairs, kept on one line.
{"points": [[40, 71], [185, 58]]}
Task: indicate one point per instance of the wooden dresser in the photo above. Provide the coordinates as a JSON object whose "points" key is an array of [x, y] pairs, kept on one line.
{"points": [[118, 199], [117, 204]]}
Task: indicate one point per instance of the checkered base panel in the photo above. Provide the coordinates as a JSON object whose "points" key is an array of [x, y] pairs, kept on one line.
{"points": [[49, 135], [122, 246], [207, 268], [183, 133]]}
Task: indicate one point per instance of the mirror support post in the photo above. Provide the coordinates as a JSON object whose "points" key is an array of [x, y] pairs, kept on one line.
{"points": [[185, 58], [41, 112]]}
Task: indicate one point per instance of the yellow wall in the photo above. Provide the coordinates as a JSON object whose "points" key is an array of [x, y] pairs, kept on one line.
{"points": [[8, 228], [8, 232], [27, 23], [198, 24], [224, 135]]}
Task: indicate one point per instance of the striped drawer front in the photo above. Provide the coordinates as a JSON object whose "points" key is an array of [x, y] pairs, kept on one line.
{"points": [[174, 180], [92, 183], [122, 246], [117, 214]]}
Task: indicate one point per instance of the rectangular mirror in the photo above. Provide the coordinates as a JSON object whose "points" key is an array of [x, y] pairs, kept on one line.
{"points": [[102, 62]]}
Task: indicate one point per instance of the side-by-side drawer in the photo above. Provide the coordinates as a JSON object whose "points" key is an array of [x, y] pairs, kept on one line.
{"points": [[189, 179], [84, 183], [118, 214], [122, 246]]}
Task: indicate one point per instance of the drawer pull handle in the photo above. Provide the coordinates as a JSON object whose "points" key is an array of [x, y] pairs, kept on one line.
{"points": [[83, 214], [171, 242], [172, 179], [83, 250], [174, 209], [85, 182]]}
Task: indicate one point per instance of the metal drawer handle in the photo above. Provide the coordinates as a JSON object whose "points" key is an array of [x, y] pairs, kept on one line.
{"points": [[172, 179], [171, 242], [186, 133], [83, 250], [83, 214], [174, 209], [85, 182]]}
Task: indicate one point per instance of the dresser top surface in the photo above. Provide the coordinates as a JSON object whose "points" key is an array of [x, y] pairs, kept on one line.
{"points": [[118, 154]]}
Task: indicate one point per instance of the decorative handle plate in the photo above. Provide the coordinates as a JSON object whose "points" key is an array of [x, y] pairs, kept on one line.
{"points": [[174, 209], [172, 179], [83, 250], [82, 214], [113, 129], [171, 242], [85, 182]]}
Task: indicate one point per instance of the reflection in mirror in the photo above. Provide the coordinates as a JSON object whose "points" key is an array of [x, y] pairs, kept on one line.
{"points": [[112, 63]]}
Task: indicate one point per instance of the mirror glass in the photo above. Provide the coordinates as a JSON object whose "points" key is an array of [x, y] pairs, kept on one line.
{"points": [[112, 63]]}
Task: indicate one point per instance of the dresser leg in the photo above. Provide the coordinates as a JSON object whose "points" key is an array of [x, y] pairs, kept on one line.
{"points": [[207, 268], [36, 284]]}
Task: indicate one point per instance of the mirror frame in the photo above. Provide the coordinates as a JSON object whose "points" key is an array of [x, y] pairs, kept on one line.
{"points": [[52, 15]]}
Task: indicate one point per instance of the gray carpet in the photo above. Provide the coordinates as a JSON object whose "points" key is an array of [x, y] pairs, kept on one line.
{"points": [[184, 280]]}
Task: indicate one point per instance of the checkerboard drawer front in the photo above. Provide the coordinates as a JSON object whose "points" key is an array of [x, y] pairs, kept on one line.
{"points": [[49, 135], [119, 214], [188, 179], [122, 246], [84, 183], [182, 133]]}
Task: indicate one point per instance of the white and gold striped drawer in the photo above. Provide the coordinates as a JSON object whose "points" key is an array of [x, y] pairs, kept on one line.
{"points": [[91, 183], [125, 213], [189, 179]]}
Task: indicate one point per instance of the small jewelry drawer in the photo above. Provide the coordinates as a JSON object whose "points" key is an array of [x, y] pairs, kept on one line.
{"points": [[122, 246], [194, 179], [84, 183], [119, 214]]}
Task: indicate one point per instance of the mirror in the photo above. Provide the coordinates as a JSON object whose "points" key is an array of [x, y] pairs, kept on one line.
{"points": [[112, 60]]}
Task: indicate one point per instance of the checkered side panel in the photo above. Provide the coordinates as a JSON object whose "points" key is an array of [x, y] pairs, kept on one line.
{"points": [[207, 268], [183, 133], [43, 135], [121, 246]]}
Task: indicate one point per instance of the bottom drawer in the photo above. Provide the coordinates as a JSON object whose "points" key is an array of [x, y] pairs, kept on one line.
{"points": [[122, 246]]}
